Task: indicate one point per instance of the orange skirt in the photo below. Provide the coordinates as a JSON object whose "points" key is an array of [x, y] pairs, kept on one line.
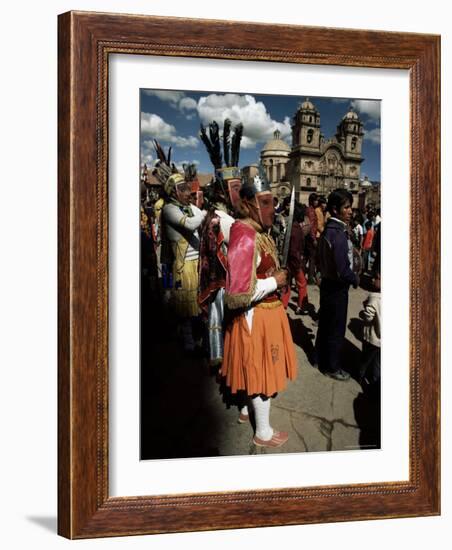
{"points": [[260, 361]]}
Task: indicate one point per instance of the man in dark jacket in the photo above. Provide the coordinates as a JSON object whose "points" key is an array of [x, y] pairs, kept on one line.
{"points": [[335, 260]]}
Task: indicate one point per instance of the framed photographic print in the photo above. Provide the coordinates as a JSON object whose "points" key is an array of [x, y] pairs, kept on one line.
{"points": [[161, 426]]}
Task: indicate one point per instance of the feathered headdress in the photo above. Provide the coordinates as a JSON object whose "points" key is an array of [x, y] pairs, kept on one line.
{"points": [[212, 143], [165, 171], [235, 146], [231, 151], [190, 172], [231, 147]]}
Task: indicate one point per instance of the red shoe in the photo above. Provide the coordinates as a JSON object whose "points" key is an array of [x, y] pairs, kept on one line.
{"points": [[278, 439], [243, 418]]}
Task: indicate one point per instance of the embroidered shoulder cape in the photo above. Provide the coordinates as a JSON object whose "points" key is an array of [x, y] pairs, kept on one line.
{"points": [[241, 271]]}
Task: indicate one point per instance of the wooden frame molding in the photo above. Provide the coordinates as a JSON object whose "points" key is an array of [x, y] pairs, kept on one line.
{"points": [[85, 42]]}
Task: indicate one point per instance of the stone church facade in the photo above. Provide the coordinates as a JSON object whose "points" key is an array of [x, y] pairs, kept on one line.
{"points": [[314, 164]]}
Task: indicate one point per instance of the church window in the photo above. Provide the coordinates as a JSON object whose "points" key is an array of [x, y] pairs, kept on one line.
{"points": [[310, 135], [310, 119], [308, 182], [353, 144], [352, 185], [332, 162]]}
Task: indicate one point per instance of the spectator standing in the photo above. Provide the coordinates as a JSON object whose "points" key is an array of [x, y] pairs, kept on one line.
{"points": [[311, 239], [295, 262], [367, 245], [357, 234], [335, 257], [370, 363], [377, 216], [320, 212]]}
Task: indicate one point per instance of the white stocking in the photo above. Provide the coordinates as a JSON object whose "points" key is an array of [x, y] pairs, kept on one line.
{"points": [[262, 414], [244, 410]]}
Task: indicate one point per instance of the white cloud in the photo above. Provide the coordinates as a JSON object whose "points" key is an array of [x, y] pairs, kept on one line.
{"points": [[154, 126], [257, 122], [177, 100], [370, 108], [374, 135], [169, 96], [187, 104], [190, 141], [180, 164], [147, 153]]}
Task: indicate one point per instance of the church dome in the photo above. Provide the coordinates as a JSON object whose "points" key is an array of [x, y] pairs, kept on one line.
{"points": [[351, 115], [308, 105], [365, 182], [276, 144]]}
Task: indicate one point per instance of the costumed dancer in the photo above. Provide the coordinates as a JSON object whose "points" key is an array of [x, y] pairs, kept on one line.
{"points": [[149, 269], [191, 177], [259, 354], [180, 247], [223, 194]]}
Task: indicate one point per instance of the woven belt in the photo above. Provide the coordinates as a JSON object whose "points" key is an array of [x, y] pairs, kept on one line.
{"points": [[269, 305]]}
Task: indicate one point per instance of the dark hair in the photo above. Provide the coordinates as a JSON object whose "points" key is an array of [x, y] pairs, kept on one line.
{"points": [[368, 225], [359, 217], [247, 192], [299, 212], [337, 199], [313, 197], [322, 200], [241, 209], [286, 201]]}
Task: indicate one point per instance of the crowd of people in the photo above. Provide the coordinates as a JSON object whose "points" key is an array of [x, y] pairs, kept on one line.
{"points": [[216, 257]]}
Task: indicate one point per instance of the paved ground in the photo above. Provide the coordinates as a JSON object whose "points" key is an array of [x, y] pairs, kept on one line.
{"points": [[185, 412]]}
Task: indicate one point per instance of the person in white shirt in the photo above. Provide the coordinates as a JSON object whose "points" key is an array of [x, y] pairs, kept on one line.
{"points": [[180, 221]]}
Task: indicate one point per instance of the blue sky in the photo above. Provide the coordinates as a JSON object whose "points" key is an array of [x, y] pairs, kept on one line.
{"points": [[173, 118]]}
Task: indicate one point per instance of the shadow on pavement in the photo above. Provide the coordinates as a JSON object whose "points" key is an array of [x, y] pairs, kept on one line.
{"points": [[178, 419], [351, 359], [355, 326], [304, 338], [181, 412], [367, 407]]}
